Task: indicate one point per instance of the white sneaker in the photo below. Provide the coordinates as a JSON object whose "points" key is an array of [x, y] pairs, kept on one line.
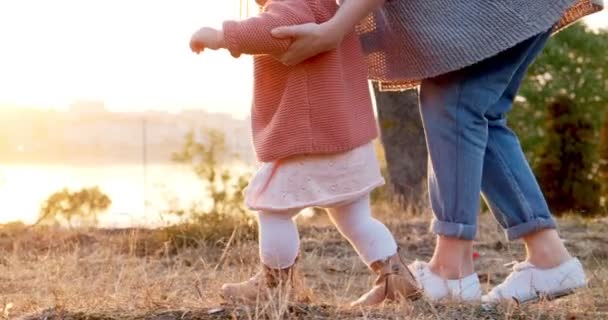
{"points": [[436, 288], [527, 283]]}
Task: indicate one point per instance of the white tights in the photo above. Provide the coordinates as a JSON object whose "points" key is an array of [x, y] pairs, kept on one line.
{"points": [[280, 241]]}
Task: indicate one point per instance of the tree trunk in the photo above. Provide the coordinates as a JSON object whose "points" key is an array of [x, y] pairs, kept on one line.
{"points": [[405, 147]]}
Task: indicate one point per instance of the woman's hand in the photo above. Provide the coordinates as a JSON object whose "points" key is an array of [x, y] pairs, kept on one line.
{"points": [[207, 38], [310, 39]]}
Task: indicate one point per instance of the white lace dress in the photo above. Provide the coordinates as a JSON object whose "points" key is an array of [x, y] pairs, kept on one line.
{"points": [[314, 181]]}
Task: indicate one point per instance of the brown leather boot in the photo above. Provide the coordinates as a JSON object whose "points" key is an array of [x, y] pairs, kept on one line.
{"points": [[267, 283], [395, 282]]}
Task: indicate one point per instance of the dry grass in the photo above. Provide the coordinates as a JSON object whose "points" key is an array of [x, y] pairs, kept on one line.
{"points": [[129, 274]]}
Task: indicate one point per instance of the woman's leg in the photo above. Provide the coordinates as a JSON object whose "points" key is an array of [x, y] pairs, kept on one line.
{"points": [[471, 149], [510, 188]]}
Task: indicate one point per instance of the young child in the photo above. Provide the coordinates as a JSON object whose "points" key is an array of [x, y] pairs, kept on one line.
{"points": [[313, 126]]}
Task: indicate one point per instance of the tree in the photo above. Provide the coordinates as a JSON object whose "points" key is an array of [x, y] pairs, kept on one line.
{"points": [[574, 64], [404, 146], [565, 165], [66, 206], [603, 162]]}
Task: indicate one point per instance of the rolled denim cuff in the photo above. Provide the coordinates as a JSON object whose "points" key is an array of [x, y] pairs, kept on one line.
{"points": [[523, 229], [454, 230]]}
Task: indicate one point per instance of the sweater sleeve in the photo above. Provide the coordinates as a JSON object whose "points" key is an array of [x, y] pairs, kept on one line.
{"points": [[252, 36]]}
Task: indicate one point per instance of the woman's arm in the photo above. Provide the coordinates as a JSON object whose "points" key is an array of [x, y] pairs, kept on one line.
{"points": [[311, 39]]}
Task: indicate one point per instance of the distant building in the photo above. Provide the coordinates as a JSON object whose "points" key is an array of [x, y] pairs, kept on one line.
{"points": [[89, 132]]}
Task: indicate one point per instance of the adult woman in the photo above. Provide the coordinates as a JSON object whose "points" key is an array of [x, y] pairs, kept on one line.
{"points": [[470, 58]]}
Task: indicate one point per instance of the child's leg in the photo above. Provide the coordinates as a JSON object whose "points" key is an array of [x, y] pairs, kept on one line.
{"points": [[279, 239], [279, 246], [371, 238], [377, 248]]}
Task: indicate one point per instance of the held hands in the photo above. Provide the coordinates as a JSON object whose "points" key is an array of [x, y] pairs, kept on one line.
{"points": [[207, 38], [309, 40]]}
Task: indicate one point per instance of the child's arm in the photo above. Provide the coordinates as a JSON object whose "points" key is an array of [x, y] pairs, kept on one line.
{"points": [[252, 36], [207, 38]]}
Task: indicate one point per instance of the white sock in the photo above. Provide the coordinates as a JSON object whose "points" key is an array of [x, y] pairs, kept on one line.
{"points": [[371, 238], [279, 239]]}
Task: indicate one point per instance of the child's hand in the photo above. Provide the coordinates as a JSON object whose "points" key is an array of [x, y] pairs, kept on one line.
{"points": [[207, 38]]}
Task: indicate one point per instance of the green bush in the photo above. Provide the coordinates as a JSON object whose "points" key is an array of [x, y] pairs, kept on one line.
{"points": [[223, 214], [574, 63], [565, 166], [66, 207]]}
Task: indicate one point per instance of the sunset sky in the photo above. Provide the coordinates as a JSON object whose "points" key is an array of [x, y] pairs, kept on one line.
{"points": [[131, 54]]}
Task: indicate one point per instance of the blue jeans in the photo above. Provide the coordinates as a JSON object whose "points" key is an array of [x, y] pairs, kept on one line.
{"points": [[473, 151]]}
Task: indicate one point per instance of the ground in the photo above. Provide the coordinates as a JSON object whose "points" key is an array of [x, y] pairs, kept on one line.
{"points": [[129, 274]]}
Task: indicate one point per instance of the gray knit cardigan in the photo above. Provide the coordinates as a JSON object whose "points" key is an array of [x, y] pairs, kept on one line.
{"points": [[409, 40]]}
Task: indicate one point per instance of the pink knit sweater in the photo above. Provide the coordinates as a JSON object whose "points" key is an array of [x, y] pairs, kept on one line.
{"points": [[320, 106]]}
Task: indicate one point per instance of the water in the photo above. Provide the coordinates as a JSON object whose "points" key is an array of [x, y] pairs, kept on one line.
{"points": [[138, 196]]}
